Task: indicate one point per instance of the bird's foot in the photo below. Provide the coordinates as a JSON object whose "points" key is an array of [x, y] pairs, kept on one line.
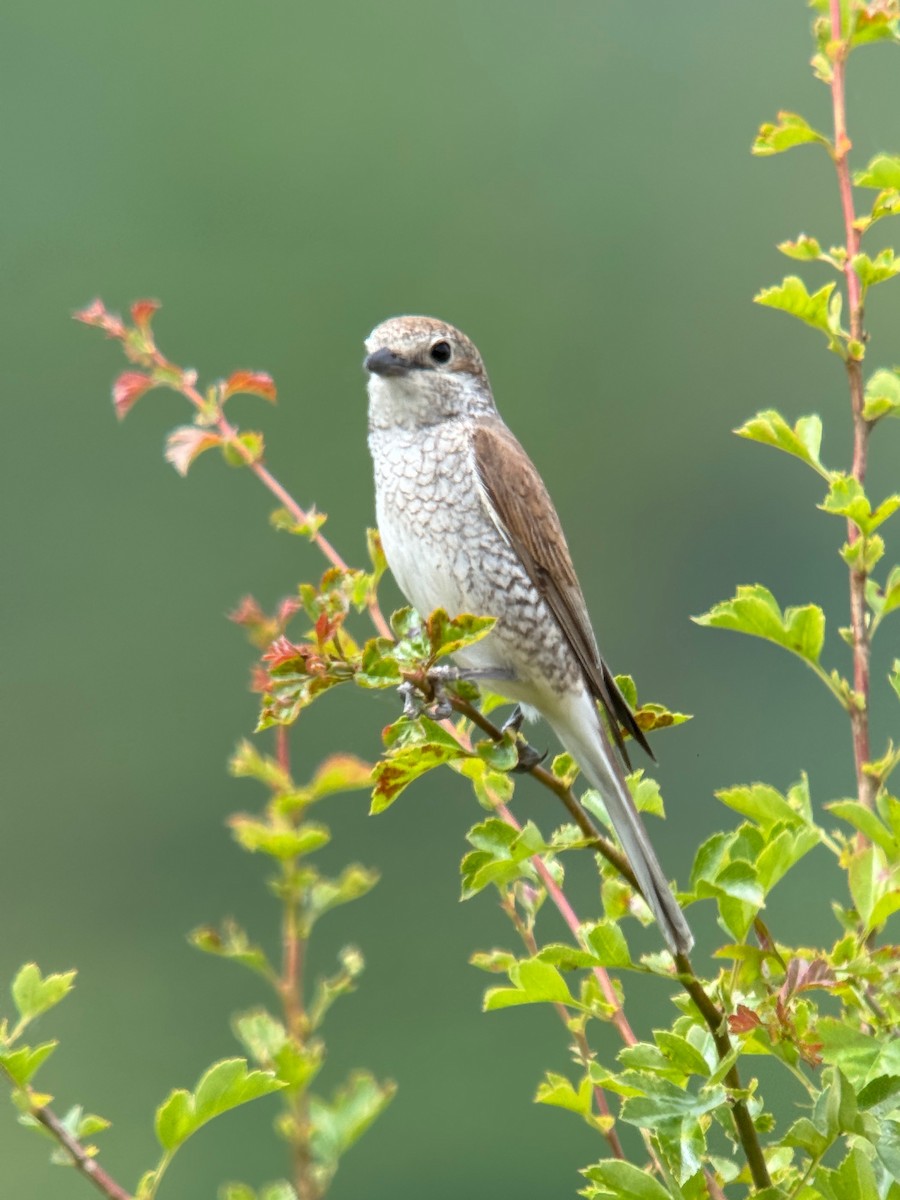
{"points": [[429, 697], [529, 757]]}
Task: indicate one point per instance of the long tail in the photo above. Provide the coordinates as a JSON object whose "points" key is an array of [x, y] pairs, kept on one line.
{"points": [[581, 732]]}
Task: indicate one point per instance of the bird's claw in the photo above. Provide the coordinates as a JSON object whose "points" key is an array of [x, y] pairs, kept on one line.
{"points": [[437, 705], [529, 758]]}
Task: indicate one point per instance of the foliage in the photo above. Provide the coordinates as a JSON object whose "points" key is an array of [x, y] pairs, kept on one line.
{"points": [[825, 1016]]}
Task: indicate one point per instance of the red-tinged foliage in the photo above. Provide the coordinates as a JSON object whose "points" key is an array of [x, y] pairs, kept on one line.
{"points": [[287, 608], [743, 1020], [802, 975], [96, 314], [128, 389], [260, 680], [248, 612], [255, 383], [282, 651], [184, 444], [142, 312]]}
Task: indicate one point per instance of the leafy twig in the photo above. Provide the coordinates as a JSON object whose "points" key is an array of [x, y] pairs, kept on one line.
{"points": [[859, 713]]}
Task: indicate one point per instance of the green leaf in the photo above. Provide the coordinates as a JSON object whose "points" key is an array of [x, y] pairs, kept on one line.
{"points": [[396, 772], [805, 248], [882, 395], [755, 611], [681, 1053], [847, 498], [22, 1064], [667, 1102], [557, 1091], [866, 822], [284, 521], [882, 172], [608, 944], [875, 270], [34, 993], [447, 635], [803, 441], [224, 1086], [281, 843], [815, 309], [862, 1057], [534, 982], [352, 883], [623, 1181], [783, 851], [791, 130], [338, 1123], [232, 942], [760, 803]]}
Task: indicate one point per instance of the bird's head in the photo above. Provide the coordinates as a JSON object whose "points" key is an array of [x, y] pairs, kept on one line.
{"points": [[423, 371]]}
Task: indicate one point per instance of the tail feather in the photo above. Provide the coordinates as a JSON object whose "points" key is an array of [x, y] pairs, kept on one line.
{"points": [[583, 736]]}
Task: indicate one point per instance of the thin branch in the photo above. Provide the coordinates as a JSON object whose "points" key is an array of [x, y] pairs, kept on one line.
{"points": [[712, 1015], [81, 1160], [507, 903], [230, 435], [859, 715]]}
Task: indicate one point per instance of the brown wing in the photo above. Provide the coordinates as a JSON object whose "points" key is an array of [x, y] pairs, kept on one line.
{"points": [[524, 513]]}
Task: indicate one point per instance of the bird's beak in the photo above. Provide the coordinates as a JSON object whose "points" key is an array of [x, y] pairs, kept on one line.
{"points": [[385, 362]]}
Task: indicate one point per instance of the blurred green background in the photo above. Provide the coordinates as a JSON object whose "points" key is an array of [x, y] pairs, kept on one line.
{"points": [[570, 184]]}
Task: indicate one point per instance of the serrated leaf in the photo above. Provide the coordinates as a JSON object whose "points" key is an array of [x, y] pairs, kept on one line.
{"points": [[224, 1086], [623, 1181], [34, 993], [185, 444], [790, 130], [847, 498], [805, 248], [253, 383], [447, 634], [813, 308], [402, 766], [232, 942], [338, 1123], [875, 270], [882, 395], [865, 821], [607, 941], [558, 1092], [281, 843], [22, 1064], [803, 441], [755, 611], [284, 521], [761, 803], [882, 172], [534, 982]]}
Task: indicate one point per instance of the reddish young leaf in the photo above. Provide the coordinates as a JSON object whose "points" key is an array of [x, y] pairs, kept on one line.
{"points": [[128, 389], [743, 1020], [282, 651], [142, 312], [255, 383], [95, 314], [184, 444]]}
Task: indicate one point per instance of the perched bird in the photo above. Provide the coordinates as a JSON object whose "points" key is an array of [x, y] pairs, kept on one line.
{"points": [[468, 526]]}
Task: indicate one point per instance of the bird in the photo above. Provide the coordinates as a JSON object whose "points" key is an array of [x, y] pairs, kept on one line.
{"points": [[468, 525]]}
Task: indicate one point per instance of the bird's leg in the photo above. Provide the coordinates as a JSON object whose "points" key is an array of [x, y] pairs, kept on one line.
{"points": [[427, 693], [528, 756]]}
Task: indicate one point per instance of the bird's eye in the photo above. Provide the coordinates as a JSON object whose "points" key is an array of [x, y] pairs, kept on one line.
{"points": [[441, 352]]}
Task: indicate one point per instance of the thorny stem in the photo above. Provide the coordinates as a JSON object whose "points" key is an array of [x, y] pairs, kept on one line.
{"points": [[859, 714]]}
